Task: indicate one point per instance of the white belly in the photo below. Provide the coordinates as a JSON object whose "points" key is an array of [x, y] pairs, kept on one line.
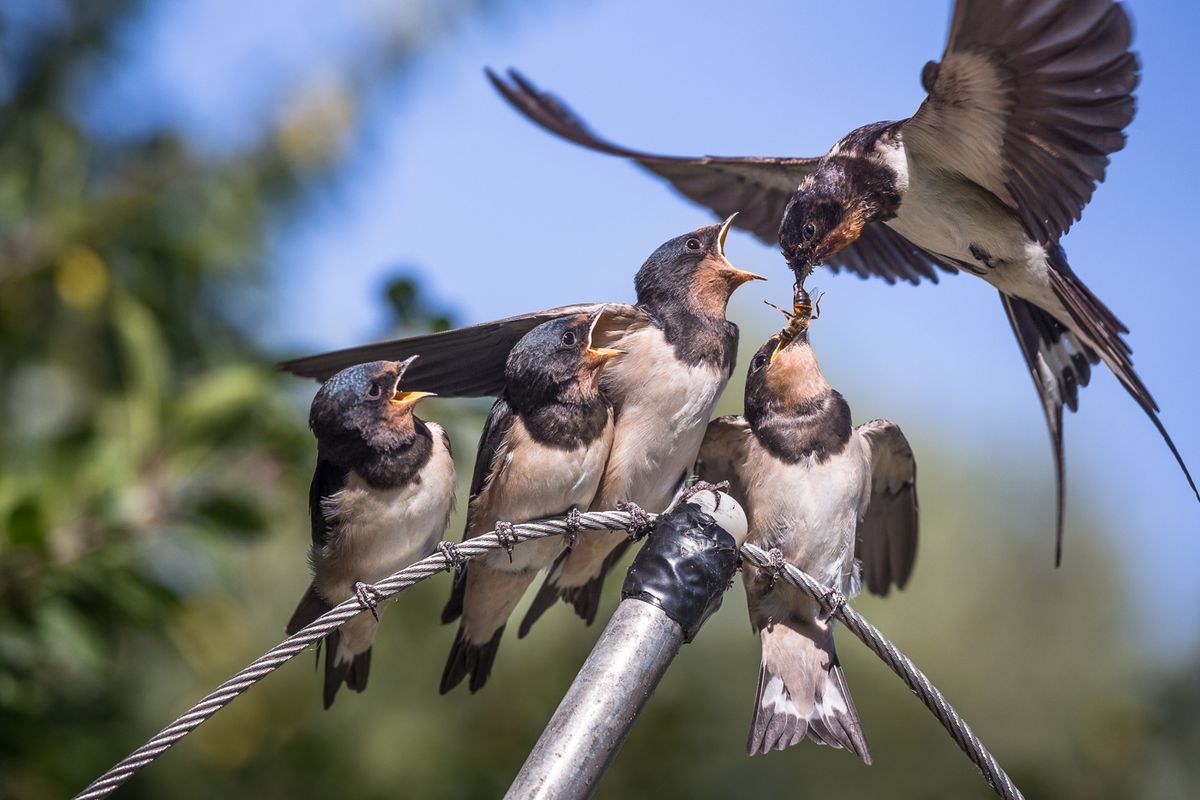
{"points": [[662, 413]]}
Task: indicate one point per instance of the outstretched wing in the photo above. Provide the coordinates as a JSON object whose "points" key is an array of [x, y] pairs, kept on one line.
{"points": [[1028, 101], [887, 534], [723, 453], [464, 362], [758, 188]]}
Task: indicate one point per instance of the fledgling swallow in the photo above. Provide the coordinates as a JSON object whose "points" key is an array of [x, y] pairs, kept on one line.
{"points": [[678, 352], [839, 503], [542, 453], [1030, 99], [380, 500]]}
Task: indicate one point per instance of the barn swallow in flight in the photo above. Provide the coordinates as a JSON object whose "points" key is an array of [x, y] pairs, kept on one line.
{"points": [[380, 500], [678, 352], [829, 497], [1029, 100], [542, 453]]}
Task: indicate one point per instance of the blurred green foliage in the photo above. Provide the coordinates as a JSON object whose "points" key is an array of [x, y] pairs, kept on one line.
{"points": [[153, 473]]}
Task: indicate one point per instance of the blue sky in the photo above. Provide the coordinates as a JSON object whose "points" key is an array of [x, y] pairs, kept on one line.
{"points": [[499, 218]]}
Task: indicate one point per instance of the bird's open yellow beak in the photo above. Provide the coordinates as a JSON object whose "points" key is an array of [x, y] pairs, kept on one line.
{"points": [[738, 276], [410, 399], [604, 353]]}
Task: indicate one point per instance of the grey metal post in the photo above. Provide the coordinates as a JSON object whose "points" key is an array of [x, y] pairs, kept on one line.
{"points": [[595, 716]]}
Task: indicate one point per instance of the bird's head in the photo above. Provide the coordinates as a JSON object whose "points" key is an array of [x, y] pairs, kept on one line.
{"points": [[825, 214], [692, 270], [784, 376], [364, 402], [556, 360]]}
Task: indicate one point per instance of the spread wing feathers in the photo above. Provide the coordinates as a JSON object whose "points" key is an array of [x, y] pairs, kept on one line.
{"points": [[464, 362], [328, 479], [723, 453], [758, 188], [887, 534], [1029, 100]]}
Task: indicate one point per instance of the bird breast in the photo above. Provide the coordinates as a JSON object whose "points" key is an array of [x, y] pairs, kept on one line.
{"points": [[380, 531], [533, 480], [662, 410], [809, 510]]}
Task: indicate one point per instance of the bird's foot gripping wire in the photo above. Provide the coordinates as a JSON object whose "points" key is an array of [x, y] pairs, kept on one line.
{"points": [[454, 559], [833, 602], [705, 486], [776, 567], [506, 535], [639, 521], [368, 597], [572, 528]]}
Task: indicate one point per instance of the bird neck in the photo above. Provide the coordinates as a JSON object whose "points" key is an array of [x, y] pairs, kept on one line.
{"points": [[387, 457], [817, 428], [575, 418], [698, 335]]}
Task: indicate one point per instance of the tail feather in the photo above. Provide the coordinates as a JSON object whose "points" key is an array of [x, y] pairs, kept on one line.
{"points": [[471, 659], [1103, 331], [342, 666], [802, 693]]}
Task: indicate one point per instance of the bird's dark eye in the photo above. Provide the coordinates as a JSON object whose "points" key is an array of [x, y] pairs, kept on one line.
{"points": [[374, 391], [568, 338], [692, 244], [810, 230], [759, 362]]}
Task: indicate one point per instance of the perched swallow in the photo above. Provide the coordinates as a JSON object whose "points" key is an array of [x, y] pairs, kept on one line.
{"points": [[678, 352], [542, 453], [1029, 100], [380, 499], [826, 495]]}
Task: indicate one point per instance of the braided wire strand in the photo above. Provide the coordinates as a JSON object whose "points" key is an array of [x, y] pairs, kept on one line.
{"points": [[899, 663], [438, 562], [292, 646]]}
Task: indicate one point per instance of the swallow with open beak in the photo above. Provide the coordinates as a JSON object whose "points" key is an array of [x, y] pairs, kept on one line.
{"points": [[542, 454], [1028, 102], [837, 502], [678, 352], [380, 500]]}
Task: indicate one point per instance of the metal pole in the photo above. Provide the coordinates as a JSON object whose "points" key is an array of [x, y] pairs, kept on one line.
{"points": [[675, 583], [595, 716]]}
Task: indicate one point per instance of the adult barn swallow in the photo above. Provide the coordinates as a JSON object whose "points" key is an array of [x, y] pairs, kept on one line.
{"points": [[1029, 100], [826, 495], [380, 499], [678, 352], [542, 453]]}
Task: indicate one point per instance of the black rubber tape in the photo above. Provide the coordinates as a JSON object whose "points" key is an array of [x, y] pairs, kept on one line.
{"points": [[684, 567]]}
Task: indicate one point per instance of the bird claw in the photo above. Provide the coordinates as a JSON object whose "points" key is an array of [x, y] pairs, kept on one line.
{"points": [[572, 527], [506, 535], [368, 597], [640, 524], [450, 552], [777, 566], [833, 602], [705, 486]]}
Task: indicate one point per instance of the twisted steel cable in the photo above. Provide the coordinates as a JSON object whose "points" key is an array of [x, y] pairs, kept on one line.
{"points": [[450, 556], [447, 557]]}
